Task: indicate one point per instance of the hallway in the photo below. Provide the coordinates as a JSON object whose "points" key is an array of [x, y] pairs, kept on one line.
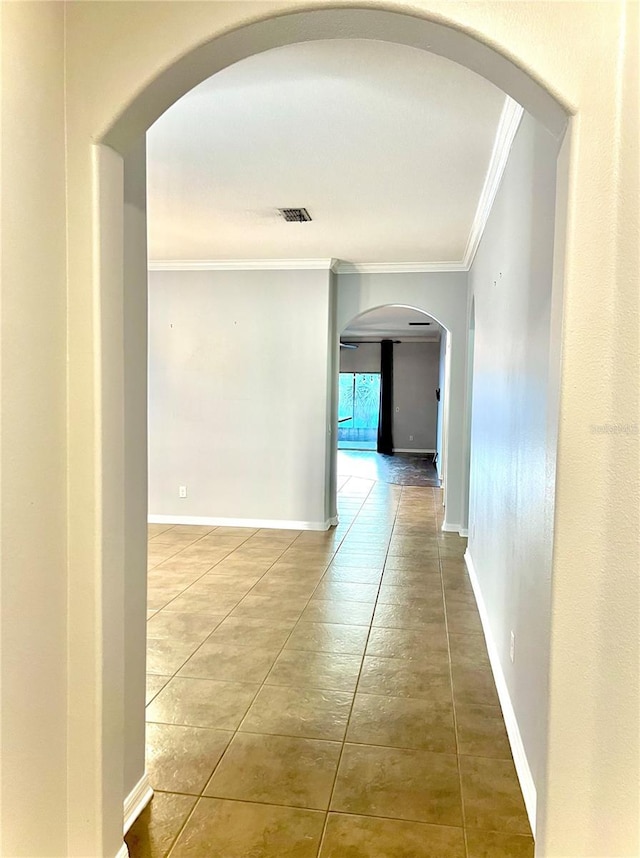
{"points": [[324, 694]]}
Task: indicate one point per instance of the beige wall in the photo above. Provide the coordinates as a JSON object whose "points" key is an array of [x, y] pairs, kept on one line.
{"points": [[114, 52], [33, 585]]}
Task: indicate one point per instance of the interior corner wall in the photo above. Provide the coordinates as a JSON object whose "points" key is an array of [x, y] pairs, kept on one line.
{"points": [[238, 379], [33, 465], [444, 297], [511, 489]]}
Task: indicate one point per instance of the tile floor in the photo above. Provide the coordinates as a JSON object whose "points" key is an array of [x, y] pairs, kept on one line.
{"points": [[324, 694]]}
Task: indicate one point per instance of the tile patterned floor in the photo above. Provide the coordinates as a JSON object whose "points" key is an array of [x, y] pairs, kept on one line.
{"points": [[324, 695]]}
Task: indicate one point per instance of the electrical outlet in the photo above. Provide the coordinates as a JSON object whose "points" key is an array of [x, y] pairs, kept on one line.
{"points": [[512, 647], [411, 437], [182, 491]]}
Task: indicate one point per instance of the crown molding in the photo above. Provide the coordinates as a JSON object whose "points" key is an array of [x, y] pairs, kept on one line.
{"points": [[240, 264], [507, 128], [397, 267]]}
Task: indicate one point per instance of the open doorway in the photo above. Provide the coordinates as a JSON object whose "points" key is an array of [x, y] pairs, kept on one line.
{"points": [[391, 392]]}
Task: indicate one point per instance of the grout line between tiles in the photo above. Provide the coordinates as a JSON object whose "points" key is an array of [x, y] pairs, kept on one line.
{"points": [[344, 739]]}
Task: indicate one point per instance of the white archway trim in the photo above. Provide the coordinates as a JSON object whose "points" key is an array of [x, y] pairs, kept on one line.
{"points": [[507, 128]]}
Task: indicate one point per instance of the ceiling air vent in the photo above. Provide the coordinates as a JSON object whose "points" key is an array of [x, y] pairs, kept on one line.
{"points": [[295, 215]]}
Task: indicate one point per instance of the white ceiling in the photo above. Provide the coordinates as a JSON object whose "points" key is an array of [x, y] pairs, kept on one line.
{"points": [[392, 321], [387, 147]]}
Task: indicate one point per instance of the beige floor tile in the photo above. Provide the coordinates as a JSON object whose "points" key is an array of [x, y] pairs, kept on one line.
{"points": [[401, 784], [284, 588], [402, 722], [424, 593], [251, 632], [346, 613], [367, 837], [230, 662], [492, 797], [420, 614], [181, 759], [277, 770], [328, 637], [463, 619], [202, 601], [303, 669], [490, 844], [474, 685], [171, 625], [307, 712], [353, 575], [154, 831], [202, 703], [416, 566], [427, 645], [399, 677], [181, 565], [155, 683], [168, 656], [481, 731], [157, 529], [431, 582], [346, 591], [352, 558], [284, 609], [468, 651], [238, 829]]}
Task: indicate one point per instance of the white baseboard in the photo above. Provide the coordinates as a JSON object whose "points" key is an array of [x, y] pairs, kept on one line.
{"points": [[135, 802], [215, 521], [123, 851], [334, 521], [412, 450], [448, 527], [513, 730]]}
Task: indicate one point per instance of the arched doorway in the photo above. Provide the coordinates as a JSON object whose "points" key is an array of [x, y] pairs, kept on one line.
{"points": [[121, 144], [393, 321]]}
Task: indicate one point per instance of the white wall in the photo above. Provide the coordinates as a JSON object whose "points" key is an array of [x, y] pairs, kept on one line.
{"points": [[33, 499], [443, 296], [238, 394], [415, 408], [512, 494], [366, 358]]}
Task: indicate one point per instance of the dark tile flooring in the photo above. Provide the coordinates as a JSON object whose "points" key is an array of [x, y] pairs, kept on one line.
{"points": [[402, 469]]}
